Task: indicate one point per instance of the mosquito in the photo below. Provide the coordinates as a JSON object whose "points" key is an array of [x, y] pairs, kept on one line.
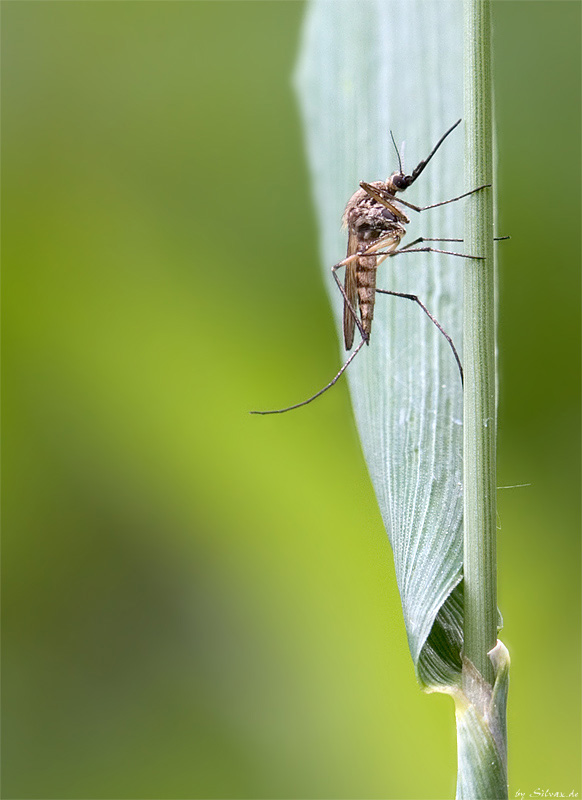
{"points": [[375, 228]]}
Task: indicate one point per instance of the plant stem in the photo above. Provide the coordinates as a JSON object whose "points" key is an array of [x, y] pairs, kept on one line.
{"points": [[480, 633]]}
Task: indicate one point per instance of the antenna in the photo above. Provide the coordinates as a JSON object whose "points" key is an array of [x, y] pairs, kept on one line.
{"points": [[397, 153]]}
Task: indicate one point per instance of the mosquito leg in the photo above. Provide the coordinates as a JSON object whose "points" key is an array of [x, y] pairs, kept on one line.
{"points": [[425, 239], [408, 248], [332, 382], [434, 320], [353, 312], [432, 250], [444, 202], [375, 246], [384, 197]]}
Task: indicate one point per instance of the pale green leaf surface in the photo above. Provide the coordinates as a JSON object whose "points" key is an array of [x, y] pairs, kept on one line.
{"points": [[365, 68]]}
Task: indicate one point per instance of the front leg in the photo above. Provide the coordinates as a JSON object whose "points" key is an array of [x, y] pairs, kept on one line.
{"points": [[385, 199]]}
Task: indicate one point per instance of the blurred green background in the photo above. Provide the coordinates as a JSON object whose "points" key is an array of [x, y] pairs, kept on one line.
{"points": [[199, 603]]}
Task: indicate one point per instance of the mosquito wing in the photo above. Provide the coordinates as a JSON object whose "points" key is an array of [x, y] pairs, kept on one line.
{"points": [[351, 293]]}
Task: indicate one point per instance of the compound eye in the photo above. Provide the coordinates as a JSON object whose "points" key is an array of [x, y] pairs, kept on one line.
{"points": [[399, 181]]}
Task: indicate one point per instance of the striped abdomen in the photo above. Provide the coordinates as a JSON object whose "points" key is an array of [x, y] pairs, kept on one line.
{"points": [[366, 287]]}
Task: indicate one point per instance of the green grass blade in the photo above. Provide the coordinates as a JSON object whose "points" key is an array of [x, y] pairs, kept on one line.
{"points": [[367, 68]]}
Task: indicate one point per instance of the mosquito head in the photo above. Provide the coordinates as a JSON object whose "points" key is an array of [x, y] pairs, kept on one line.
{"points": [[400, 181]]}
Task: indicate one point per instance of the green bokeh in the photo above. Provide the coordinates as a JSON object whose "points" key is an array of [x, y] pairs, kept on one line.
{"points": [[199, 603]]}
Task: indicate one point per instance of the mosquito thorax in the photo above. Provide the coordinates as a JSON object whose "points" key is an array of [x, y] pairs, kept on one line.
{"points": [[368, 219]]}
